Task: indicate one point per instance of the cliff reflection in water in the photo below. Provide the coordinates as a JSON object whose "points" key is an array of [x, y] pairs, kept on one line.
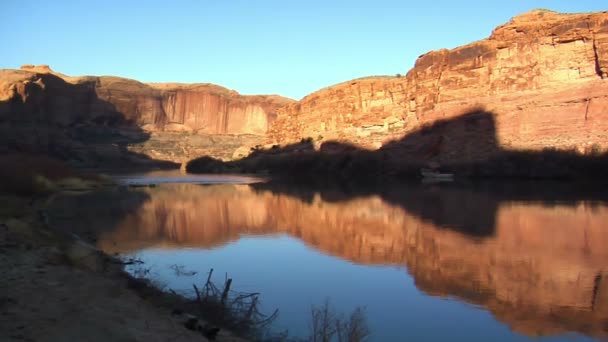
{"points": [[538, 268]]}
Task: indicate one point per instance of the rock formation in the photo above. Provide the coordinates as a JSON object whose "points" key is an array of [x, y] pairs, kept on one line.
{"points": [[204, 108], [543, 75], [38, 98]]}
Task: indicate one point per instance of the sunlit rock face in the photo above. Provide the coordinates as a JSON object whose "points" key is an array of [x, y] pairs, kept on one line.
{"points": [[36, 92], [204, 108], [540, 268], [543, 76], [40, 108]]}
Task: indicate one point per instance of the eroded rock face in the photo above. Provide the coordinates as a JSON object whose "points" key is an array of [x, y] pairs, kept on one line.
{"points": [[206, 108], [38, 97], [542, 76]]}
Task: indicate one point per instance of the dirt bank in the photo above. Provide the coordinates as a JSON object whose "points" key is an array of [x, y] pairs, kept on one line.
{"points": [[54, 287]]}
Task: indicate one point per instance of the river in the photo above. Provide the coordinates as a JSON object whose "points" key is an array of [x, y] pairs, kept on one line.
{"points": [[501, 262]]}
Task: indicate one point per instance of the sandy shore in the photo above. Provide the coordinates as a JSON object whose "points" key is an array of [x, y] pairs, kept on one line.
{"points": [[56, 288]]}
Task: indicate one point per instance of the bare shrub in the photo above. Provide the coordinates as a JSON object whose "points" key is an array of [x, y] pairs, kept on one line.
{"points": [[327, 326], [237, 311], [32, 174]]}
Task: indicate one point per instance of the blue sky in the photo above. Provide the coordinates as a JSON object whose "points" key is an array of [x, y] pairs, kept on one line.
{"points": [[284, 47]]}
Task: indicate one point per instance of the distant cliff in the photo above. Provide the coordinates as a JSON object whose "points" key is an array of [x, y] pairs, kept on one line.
{"points": [[543, 75], [37, 92], [37, 97]]}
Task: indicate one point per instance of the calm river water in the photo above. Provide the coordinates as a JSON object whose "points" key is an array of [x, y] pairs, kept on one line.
{"points": [[427, 262]]}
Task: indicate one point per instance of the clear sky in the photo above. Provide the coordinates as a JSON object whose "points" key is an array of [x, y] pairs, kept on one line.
{"points": [[283, 47]]}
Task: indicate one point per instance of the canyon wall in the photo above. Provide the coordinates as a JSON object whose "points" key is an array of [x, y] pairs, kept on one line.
{"points": [[36, 92], [36, 99], [543, 76]]}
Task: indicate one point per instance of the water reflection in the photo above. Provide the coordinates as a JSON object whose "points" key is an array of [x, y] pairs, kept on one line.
{"points": [[539, 268]]}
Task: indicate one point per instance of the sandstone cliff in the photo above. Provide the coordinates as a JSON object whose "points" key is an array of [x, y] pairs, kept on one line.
{"points": [[205, 108], [37, 97], [543, 76]]}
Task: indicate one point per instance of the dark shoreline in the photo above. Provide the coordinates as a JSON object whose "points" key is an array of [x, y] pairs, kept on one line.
{"points": [[301, 162]]}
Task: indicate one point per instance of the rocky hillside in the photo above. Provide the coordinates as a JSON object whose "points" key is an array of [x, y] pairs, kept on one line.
{"points": [[543, 76], [85, 117], [541, 80]]}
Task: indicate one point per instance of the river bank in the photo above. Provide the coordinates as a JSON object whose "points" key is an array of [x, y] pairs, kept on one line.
{"points": [[342, 162], [57, 287]]}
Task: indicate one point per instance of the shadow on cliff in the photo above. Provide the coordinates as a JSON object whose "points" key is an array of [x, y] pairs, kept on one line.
{"points": [[68, 121], [465, 145]]}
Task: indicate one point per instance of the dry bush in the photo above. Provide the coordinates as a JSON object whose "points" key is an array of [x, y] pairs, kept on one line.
{"points": [[31, 175], [327, 326], [236, 311]]}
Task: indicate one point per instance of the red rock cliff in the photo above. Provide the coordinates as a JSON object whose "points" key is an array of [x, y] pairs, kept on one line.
{"points": [[105, 121], [543, 75], [204, 108]]}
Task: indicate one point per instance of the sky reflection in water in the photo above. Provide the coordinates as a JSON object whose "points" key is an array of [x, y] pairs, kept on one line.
{"points": [[416, 258], [292, 277]]}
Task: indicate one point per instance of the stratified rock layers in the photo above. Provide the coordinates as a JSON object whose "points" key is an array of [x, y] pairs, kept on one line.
{"points": [[542, 75], [204, 108], [86, 118]]}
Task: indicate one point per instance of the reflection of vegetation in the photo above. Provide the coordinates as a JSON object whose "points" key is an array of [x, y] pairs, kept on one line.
{"points": [[239, 312], [143, 277], [180, 270], [328, 326], [222, 307], [233, 310]]}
